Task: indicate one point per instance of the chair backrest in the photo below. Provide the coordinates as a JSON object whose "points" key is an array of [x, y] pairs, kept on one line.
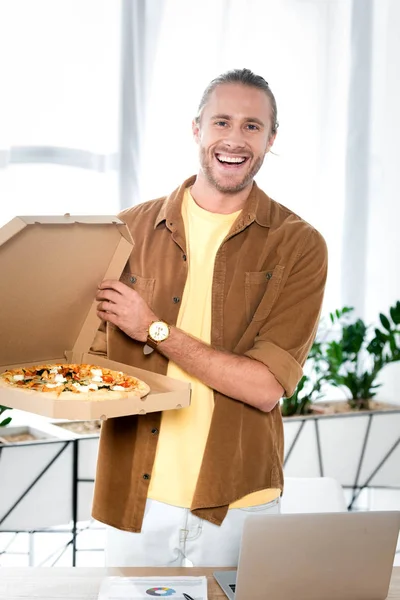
{"points": [[312, 495]]}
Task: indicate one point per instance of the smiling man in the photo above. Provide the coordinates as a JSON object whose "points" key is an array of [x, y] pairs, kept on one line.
{"points": [[223, 289]]}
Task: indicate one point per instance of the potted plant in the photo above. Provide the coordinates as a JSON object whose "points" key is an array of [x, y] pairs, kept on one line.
{"points": [[351, 360], [355, 360]]}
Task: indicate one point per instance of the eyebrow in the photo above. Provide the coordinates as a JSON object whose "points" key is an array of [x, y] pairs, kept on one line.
{"points": [[248, 119]]}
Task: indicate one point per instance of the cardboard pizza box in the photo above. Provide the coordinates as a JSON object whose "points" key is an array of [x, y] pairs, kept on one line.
{"points": [[50, 268]]}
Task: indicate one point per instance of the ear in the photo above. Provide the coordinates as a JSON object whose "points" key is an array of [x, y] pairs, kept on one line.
{"points": [[271, 141], [196, 130]]}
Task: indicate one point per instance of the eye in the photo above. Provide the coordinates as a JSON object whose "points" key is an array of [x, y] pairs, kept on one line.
{"points": [[253, 127], [220, 123]]}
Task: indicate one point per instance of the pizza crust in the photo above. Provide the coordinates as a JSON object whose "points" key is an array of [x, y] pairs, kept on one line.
{"points": [[99, 395]]}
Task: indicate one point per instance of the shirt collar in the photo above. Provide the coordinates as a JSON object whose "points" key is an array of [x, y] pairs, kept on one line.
{"points": [[257, 207], [170, 211]]}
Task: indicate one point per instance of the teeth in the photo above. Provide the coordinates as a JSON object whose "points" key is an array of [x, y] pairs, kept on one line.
{"points": [[231, 159]]}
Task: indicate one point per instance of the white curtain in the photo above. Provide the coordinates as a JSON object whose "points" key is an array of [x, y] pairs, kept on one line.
{"points": [[140, 30], [59, 106]]}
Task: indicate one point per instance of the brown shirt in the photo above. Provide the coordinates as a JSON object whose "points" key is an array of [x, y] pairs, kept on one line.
{"points": [[268, 284]]}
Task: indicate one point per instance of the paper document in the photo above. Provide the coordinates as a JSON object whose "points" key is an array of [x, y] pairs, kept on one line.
{"points": [[146, 588]]}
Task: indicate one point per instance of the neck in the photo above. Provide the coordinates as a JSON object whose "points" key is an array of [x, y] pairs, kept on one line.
{"points": [[208, 197]]}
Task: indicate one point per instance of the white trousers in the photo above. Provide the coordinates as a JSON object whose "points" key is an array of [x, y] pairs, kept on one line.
{"points": [[174, 537]]}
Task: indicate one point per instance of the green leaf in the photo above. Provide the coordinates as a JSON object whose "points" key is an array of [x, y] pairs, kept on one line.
{"points": [[353, 336], [395, 313], [376, 346], [385, 322], [392, 345], [5, 422], [380, 335]]}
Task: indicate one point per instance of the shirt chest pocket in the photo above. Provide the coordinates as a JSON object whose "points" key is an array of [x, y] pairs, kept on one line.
{"points": [[261, 291], [143, 285]]}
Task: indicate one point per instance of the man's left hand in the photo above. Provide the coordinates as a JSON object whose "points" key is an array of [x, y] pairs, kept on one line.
{"points": [[125, 308]]}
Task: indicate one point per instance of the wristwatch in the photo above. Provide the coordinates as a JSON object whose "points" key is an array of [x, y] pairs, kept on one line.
{"points": [[157, 332]]}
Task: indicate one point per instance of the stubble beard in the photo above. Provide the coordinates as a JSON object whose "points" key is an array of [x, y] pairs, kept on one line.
{"points": [[228, 189]]}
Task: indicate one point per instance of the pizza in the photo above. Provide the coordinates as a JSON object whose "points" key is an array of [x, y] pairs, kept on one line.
{"points": [[68, 381]]}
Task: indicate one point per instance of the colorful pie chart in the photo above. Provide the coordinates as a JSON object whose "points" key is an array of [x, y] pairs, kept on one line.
{"points": [[160, 592]]}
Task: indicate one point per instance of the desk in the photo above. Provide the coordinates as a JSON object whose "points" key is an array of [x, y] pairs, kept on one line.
{"points": [[85, 582]]}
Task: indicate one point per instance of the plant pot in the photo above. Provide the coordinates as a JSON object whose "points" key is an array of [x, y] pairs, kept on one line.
{"points": [[360, 403], [19, 434], [79, 428], [336, 407]]}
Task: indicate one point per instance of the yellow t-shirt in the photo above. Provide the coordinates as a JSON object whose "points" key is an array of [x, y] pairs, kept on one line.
{"points": [[183, 433]]}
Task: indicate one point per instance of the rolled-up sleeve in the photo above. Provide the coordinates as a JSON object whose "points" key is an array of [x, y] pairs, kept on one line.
{"points": [[285, 338]]}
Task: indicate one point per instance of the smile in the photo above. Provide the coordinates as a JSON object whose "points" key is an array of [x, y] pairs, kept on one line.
{"points": [[230, 161]]}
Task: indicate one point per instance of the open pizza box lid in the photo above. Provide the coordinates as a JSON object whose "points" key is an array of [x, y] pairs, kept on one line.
{"points": [[50, 268]]}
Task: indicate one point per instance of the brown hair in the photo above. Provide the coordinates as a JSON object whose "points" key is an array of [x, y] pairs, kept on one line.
{"points": [[244, 77]]}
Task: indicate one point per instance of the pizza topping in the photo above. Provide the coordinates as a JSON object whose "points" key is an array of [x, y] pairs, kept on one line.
{"points": [[97, 374], [73, 378]]}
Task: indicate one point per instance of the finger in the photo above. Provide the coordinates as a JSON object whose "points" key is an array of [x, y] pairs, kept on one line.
{"points": [[108, 294], [113, 284], [107, 307], [106, 316]]}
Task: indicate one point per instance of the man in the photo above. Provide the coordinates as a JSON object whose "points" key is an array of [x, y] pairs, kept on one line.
{"points": [[225, 285]]}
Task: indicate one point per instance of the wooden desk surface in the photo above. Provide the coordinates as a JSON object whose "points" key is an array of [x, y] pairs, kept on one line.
{"points": [[35, 580]]}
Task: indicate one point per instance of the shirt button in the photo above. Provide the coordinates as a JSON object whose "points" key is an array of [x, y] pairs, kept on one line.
{"points": [[146, 476], [154, 431], [268, 276], [133, 279], [184, 256], [175, 299]]}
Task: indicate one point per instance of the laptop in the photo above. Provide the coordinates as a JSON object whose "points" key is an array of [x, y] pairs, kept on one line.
{"points": [[322, 556]]}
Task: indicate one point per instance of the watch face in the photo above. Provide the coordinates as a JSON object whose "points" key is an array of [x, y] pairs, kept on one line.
{"points": [[158, 331]]}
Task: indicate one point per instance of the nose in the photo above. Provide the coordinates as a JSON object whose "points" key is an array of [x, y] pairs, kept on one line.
{"points": [[234, 138]]}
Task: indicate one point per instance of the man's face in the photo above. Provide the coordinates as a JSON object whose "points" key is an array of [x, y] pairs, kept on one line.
{"points": [[234, 134]]}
